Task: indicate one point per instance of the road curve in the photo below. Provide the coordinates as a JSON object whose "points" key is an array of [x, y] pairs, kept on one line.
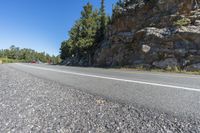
{"points": [[172, 93]]}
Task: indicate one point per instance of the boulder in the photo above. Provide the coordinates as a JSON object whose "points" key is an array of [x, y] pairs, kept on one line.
{"points": [[184, 62], [181, 52], [156, 32], [193, 51], [197, 23], [191, 29], [125, 37], [194, 59], [146, 48], [169, 62], [83, 62], [198, 52], [193, 67]]}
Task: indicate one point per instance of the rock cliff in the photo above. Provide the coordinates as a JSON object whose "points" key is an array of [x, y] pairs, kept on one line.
{"points": [[153, 33]]}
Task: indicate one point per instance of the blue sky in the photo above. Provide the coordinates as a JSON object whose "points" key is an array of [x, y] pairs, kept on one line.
{"points": [[40, 24]]}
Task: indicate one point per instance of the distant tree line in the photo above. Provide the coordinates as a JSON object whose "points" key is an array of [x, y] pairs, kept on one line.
{"points": [[86, 34], [28, 55]]}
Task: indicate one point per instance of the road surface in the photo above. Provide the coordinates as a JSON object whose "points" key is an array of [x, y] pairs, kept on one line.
{"points": [[172, 93], [45, 98]]}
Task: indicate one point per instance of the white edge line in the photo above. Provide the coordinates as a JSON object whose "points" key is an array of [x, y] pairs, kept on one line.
{"points": [[179, 75], [111, 78]]}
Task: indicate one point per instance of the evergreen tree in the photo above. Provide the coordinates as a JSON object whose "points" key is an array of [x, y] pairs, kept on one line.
{"points": [[73, 42], [25, 55], [89, 27], [86, 33], [103, 20], [65, 50]]}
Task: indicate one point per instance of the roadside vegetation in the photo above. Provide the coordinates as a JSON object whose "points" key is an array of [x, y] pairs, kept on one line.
{"points": [[182, 22], [7, 60], [88, 31], [168, 70], [15, 54]]}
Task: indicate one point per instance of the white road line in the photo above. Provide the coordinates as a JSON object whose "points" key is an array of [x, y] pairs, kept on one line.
{"points": [[112, 78], [168, 74]]}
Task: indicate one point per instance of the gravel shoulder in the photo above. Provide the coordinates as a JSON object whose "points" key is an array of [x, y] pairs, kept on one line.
{"points": [[31, 104]]}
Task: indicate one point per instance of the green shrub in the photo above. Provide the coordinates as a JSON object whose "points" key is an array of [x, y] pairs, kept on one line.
{"points": [[173, 69], [169, 68], [7, 60], [182, 22], [176, 69]]}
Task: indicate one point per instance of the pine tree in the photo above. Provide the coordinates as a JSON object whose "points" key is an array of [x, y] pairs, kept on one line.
{"points": [[87, 32], [103, 20], [65, 50], [89, 26], [74, 41]]}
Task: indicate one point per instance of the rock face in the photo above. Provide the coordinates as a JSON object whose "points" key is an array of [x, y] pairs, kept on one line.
{"points": [[170, 62], [155, 33]]}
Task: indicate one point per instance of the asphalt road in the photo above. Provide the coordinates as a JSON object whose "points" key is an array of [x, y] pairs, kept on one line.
{"points": [[44, 98], [177, 94]]}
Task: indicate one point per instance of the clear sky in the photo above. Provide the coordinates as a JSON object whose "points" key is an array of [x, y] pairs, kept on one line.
{"points": [[40, 24]]}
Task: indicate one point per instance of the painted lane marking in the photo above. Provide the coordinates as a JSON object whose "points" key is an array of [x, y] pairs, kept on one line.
{"points": [[112, 78]]}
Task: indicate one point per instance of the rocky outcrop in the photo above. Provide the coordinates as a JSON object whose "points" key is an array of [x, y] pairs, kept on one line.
{"points": [[193, 67], [153, 33], [170, 62]]}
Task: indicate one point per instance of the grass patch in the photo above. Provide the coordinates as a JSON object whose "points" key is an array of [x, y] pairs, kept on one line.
{"points": [[7, 60]]}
